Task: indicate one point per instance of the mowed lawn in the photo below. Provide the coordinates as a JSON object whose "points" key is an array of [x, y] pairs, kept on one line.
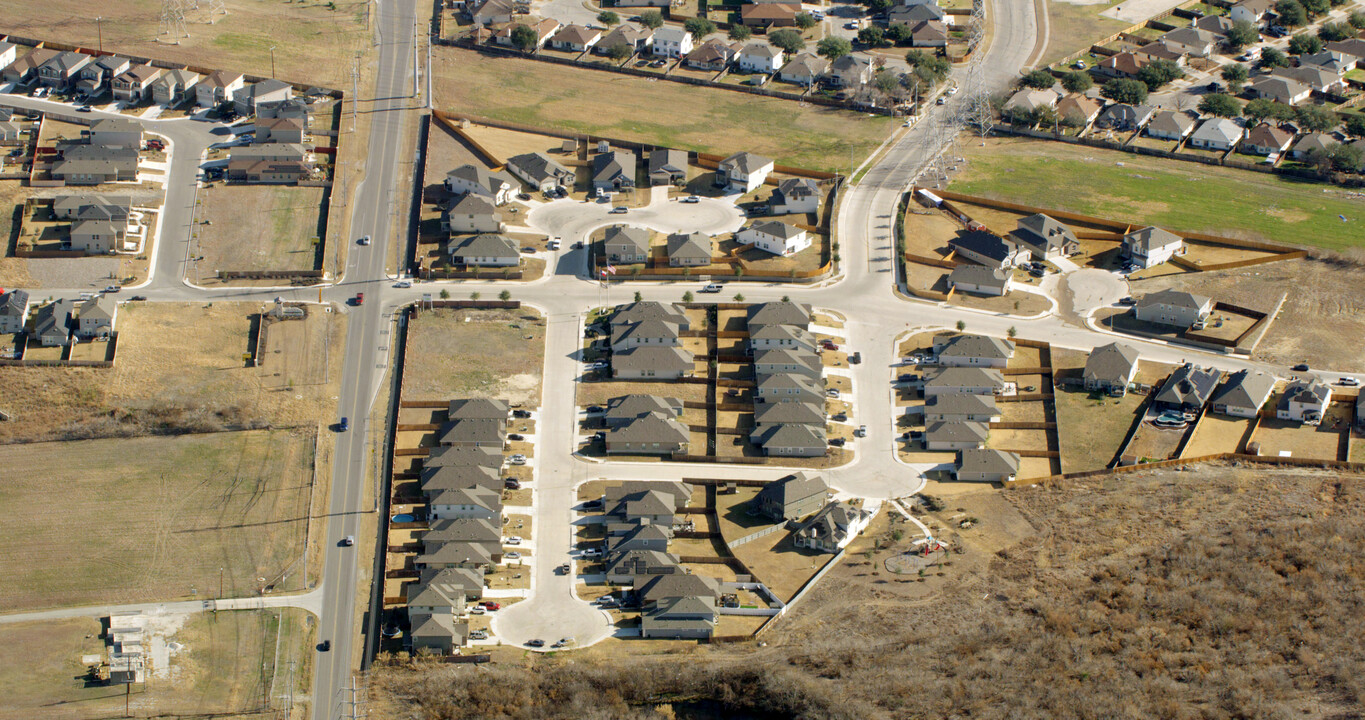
{"points": [[137, 520], [659, 112], [1173, 194], [313, 43], [1073, 27]]}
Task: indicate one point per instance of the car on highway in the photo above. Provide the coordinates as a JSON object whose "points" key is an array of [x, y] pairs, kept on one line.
{"points": [[364, 240], [324, 646], [344, 425], [348, 541], [537, 642], [359, 299], [619, 210], [712, 288]]}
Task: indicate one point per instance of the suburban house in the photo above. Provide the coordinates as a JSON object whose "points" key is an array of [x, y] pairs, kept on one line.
{"points": [[1305, 400], [712, 55], [1151, 246], [98, 237], [743, 171], [792, 497], [644, 536], [575, 38], [453, 456], [473, 432], [14, 312], [52, 323], [667, 167], [768, 415], [774, 237], [471, 214], [787, 361], [1173, 307], [961, 407], [1244, 393], [135, 84], [493, 12], [1216, 134], [94, 76], [1335, 62], [989, 249], [760, 57], [1170, 125], [613, 170], [654, 433], [1251, 11], [651, 361], [25, 68], [9, 130], [626, 244], [1313, 142], [249, 97], [628, 567], [1121, 65], [980, 381], [91, 164], [1125, 118], [986, 465], [486, 250], [1283, 90], [1266, 139], [771, 337], [779, 312], [980, 280], [1355, 47], [269, 163], [174, 86], [499, 187], [929, 33], [9, 52], [544, 30], [638, 312], [832, 528], [790, 440], [1110, 368], [638, 39], [92, 207], [972, 351], [1219, 25], [219, 87], [912, 14], [472, 502], [1320, 78], [1030, 100], [651, 331], [63, 69], [769, 15], [804, 69], [541, 171], [1187, 389], [849, 71], [278, 130], [678, 605], [1044, 237], [673, 42], [954, 435], [623, 410], [1078, 109], [784, 387], [795, 195], [433, 606], [1190, 41], [115, 133], [690, 249], [435, 480]]}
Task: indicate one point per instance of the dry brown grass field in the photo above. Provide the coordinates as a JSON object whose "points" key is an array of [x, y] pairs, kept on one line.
{"points": [[278, 234], [154, 518], [1215, 592], [475, 353]]}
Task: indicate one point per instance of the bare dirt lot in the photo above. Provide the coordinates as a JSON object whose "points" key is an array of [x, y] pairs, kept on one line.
{"points": [[281, 232], [181, 367], [155, 518], [1046, 573], [475, 353]]}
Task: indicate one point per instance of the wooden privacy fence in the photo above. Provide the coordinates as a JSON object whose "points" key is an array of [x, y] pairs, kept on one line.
{"points": [[1347, 466]]}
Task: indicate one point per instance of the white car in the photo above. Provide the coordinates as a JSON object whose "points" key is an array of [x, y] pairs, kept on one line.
{"points": [[690, 199], [552, 245], [403, 284], [364, 240], [711, 288], [517, 459], [512, 540], [592, 552], [477, 610]]}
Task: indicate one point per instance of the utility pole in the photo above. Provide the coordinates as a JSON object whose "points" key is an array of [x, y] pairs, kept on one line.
{"points": [[99, 28], [355, 91], [272, 61]]}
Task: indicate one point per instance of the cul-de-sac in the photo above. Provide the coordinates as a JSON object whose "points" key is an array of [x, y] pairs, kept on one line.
{"points": [[682, 359]]}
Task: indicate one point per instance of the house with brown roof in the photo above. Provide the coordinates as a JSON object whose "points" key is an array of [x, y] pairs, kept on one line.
{"points": [[575, 38], [135, 84], [1078, 109], [769, 15], [1121, 65], [1266, 139]]}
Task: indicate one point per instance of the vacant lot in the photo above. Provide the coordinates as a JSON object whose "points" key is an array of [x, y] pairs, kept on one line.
{"points": [[155, 518], [180, 367], [1211, 550], [280, 232], [475, 353], [1074, 26], [1174, 195], [659, 112], [312, 42]]}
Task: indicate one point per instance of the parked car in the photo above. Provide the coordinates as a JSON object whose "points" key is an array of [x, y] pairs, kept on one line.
{"points": [[478, 634], [592, 552], [607, 601], [137, 298], [512, 540], [594, 409], [477, 610], [512, 484], [564, 642], [855, 358], [711, 288], [522, 414], [1348, 382], [828, 345], [906, 377], [512, 555], [552, 245], [515, 437], [1128, 301], [839, 417], [836, 442], [1078, 65], [517, 459], [537, 642], [1301, 367], [490, 605], [691, 199], [600, 436], [83, 108], [832, 393], [593, 505]]}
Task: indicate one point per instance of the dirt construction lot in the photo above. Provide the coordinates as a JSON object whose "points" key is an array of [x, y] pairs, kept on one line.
{"points": [[155, 518], [475, 353], [225, 663], [181, 366], [279, 233]]}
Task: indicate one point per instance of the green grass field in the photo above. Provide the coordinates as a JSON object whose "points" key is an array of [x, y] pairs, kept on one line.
{"points": [[1169, 193], [653, 111], [1075, 27]]}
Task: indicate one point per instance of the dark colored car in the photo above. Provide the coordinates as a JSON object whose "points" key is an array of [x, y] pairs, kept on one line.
{"points": [[906, 377], [594, 408], [324, 646], [535, 643], [344, 425], [840, 417], [1301, 367], [837, 442], [523, 414], [515, 437]]}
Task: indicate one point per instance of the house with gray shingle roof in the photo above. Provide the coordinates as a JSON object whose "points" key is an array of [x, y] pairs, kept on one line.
{"points": [[1244, 393], [1305, 400], [95, 75], [52, 323], [625, 409], [788, 413], [1216, 134], [961, 407], [667, 166], [647, 310], [804, 69], [478, 409], [440, 478], [626, 244], [788, 360], [613, 170], [249, 97], [486, 250], [475, 502], [1187, 389], [1307, 145], [981, 381], [1110, 368], [692, 249], [62, 70], [575, 38], [972, 351], [774, 237], [1287, 91], [645, 536], [789, 388], [989, 249], [1151, 246], [174, 86], [657, 362], [97, 317], [638, 39], [792, 497], [776, 337], [13, 311], [986, 465], [1044, 237], [541, 171], [1173, 307], [458, 554], [636, 566], [779, 312], [478, 432], [980, 280], [790, 440], [1170, 125], [500, 187], [795, 195], [745, 171], [833, 528], [453, 456], [954, 435], [471, 213], [649, 331]]}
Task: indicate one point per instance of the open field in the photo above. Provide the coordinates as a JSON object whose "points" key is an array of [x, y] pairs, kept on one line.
{"points": [[155, 518], [1323, 303], [1074, 26], [1046, 573], [180, 368], [475, 353], [280, 232], [313, 42], [227, 661], [659, 112], [1174, 195]]}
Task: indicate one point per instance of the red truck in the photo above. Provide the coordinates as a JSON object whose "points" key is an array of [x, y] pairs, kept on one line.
{"points": [[359, 299]]}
